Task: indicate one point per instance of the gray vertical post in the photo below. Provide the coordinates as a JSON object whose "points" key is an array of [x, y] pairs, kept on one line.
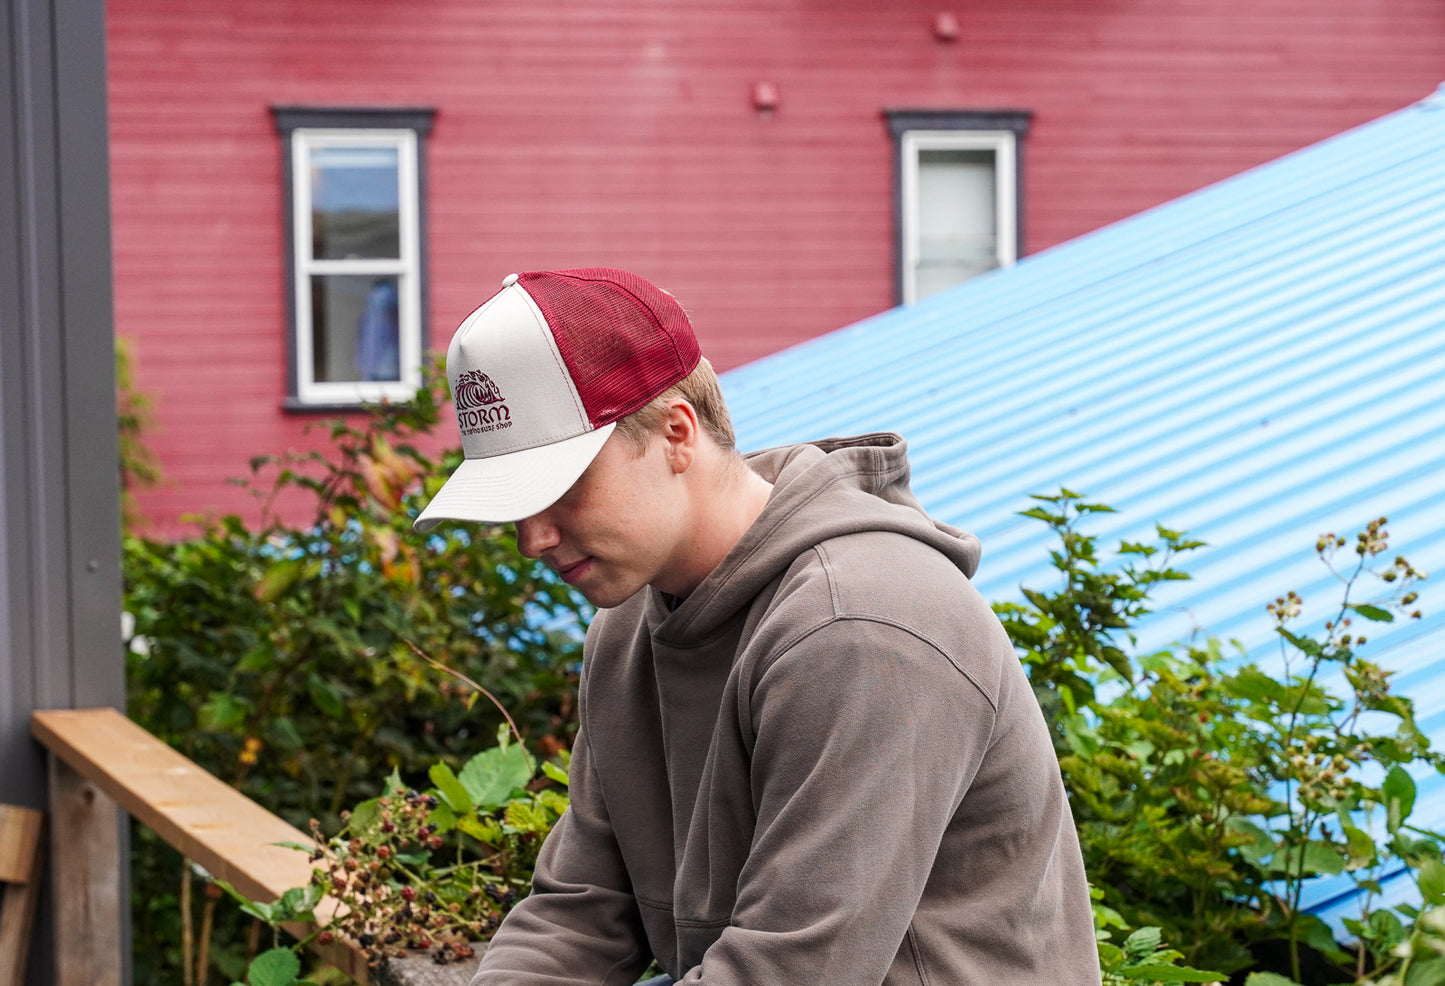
{"points": [[59, 500]]}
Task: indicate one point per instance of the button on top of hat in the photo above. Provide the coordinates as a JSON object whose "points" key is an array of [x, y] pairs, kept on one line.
{"points": [[509, 280]]}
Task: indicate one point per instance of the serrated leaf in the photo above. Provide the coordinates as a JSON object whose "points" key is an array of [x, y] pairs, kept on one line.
{"points": [[298, 903], [1253, 684], [494, 775], [1142, 942], [1309, 645], [454, 793], [1398, 791], [276, 967], [1170, 974], [1268, 979], [1373, 612], [487, 832], [1110, 955], [525, 817]]}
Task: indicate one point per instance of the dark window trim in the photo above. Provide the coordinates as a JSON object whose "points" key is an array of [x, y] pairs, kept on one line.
{"points": [[901, 121], [292, 118]]}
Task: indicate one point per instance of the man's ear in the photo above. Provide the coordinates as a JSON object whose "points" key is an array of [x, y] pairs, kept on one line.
{"points": [[680, 435]]}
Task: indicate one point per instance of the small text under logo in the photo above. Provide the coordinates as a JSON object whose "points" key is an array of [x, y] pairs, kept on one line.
{"points": [[479, 404]]}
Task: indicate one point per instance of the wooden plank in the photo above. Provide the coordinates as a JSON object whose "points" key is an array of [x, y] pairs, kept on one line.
{"points": [[19, 851], [87, 882], [19, 837], [205, 819]]}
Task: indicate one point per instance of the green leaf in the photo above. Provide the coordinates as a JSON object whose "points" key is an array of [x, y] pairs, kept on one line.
{"points": [[1142, 942], [1319, 936], [1426, 972], [454, 793], [1398, 792], [555, 772], [279, 578], [486, 831], [297, 903], [1253, 684], [494, 775], [222, 713], [326, 697], [1268, 979], [1318, 858], [1372, 612], [255, 908], [1262, 845], [1170, 974], [1306, 644], [525, 817], [443, 818], [1362, 851], [365, 817], [276, 967], [1432, 882]]}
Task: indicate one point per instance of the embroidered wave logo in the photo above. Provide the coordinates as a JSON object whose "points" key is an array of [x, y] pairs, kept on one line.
{"points": [[480, 407]]}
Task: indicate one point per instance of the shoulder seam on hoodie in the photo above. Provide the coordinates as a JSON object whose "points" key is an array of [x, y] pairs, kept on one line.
{"points": [[789, 645]]}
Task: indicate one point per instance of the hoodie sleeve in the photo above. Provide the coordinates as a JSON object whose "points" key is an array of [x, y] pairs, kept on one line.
{"points": [[581, 927], [867, 739]]}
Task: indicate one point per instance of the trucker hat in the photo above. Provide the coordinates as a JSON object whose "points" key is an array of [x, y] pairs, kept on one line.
{"points": [[541, 374]]}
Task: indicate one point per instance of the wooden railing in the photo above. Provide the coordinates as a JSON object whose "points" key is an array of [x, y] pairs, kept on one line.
{"points": [[101, 762]]}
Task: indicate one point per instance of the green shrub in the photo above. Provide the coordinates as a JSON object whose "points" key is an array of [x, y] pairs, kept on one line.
{"points": [[1208, 790], [299, 662]]}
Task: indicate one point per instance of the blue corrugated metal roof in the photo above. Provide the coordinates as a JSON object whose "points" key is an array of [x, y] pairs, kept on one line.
{"points": [[1257, 363]]}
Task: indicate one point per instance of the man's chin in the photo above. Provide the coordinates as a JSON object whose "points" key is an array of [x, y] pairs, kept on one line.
{"points": [[606, 596]]}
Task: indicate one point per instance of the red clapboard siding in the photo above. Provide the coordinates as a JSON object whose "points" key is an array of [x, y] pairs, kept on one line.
{"points": [[621, 133]]}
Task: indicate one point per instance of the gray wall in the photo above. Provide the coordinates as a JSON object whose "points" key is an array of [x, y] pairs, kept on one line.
{"points": [[59, 514]]}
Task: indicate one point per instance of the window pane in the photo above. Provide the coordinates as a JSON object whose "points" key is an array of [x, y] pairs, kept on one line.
{"points": [[355, 202], [957, 217], [355, 331]]}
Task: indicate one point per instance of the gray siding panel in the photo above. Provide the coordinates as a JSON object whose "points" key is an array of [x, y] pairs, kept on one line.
{"points": [[59, 500]]}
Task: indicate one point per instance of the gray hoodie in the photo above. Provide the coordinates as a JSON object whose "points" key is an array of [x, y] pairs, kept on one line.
{"points": [[825, 765]]}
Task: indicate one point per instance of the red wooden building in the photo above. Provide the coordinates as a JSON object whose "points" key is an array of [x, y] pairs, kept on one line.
{"points": [[308, 193]]}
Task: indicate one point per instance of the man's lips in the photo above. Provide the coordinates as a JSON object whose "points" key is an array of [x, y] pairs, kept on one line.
{"points": [[571, 571]]}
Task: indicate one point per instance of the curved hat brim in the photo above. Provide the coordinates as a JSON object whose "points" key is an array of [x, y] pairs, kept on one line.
{"points": [[500, 489]]}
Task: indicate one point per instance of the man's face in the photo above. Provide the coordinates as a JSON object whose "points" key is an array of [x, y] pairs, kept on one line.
{"points": [[617, 529]]}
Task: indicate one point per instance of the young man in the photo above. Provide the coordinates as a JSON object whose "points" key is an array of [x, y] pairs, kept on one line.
{"points": [[808, 753]]}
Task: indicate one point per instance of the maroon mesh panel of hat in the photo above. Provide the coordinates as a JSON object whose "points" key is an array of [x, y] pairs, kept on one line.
{"points": [[624, 340]]}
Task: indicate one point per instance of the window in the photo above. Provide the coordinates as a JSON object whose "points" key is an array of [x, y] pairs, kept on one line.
{"points": [[959, 204], [354, 224]]}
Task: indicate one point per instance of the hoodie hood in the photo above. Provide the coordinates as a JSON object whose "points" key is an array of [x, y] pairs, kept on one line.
{"points": [[821, 490]]}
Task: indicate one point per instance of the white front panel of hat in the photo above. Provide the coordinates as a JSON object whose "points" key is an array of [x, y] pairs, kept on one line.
{"points": [[511, 388]]}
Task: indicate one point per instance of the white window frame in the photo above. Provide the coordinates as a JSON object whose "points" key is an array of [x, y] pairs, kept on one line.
{"points": [[1001, 143], [917, 130], [406, 268], [301, 129]]}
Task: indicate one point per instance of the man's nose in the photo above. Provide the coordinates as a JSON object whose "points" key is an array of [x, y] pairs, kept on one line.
{"points": [[535, 534]]}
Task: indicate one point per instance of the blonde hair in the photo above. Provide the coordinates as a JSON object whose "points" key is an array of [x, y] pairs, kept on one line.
{"points": [[701, 389]]}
